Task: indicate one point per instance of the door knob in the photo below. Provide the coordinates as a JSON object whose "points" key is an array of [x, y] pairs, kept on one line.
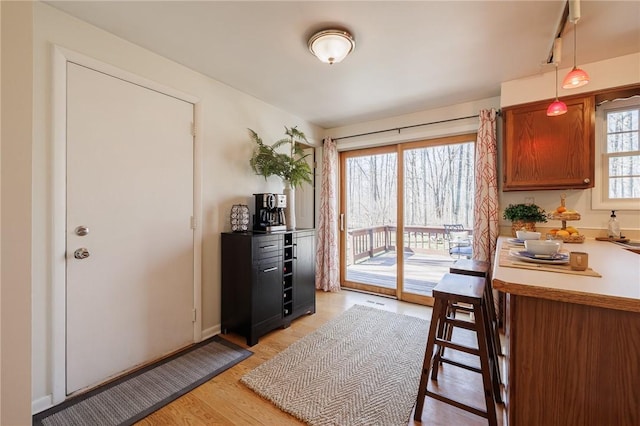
{"points": [[81, 253]]}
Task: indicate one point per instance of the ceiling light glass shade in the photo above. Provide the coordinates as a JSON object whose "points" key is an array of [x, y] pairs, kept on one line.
{"points": [[556, 108], [575, 78], [331, 46]]}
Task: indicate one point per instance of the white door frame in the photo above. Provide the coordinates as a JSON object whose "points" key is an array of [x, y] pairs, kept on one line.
{"points": [[58, 192]]}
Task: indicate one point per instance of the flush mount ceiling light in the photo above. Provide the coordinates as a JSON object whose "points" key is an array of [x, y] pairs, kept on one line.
{"points": [[576, 77], [331, 46]]}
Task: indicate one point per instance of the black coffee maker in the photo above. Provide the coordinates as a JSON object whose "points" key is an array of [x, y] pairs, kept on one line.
{"points": [[269, 216]]}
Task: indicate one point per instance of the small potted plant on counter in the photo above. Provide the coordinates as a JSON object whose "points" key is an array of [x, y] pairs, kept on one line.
{"points": [[524, 216]]}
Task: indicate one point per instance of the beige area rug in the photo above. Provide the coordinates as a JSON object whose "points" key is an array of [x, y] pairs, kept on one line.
{"points": [[361, 368]]}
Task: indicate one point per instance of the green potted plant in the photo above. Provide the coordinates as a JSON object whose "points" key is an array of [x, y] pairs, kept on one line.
{"points": [[291, 165], [524, 216]]}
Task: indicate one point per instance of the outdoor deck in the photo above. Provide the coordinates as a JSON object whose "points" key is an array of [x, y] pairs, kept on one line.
{"points": [[371, 257], [422, 270]]}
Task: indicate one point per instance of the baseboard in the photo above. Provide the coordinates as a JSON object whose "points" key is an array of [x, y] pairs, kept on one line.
{"points": [[41, 404], [211, 331]]}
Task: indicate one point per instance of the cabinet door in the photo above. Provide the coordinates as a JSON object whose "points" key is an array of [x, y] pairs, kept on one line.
{"points": [[267, 295], [542, 152], [304, 291]]}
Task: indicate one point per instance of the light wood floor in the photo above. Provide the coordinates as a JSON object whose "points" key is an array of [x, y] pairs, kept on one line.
{"points": [[225, 401]]}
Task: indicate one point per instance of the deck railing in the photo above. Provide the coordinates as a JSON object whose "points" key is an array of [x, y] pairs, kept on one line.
{"points": [[369, 242]]}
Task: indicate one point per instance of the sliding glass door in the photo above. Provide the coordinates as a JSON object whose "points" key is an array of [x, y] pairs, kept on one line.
{"points": [[369, 219], [438, 195], [418, 188]]}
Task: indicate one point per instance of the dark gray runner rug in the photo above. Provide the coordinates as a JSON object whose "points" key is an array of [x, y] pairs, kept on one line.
{"points": [[135, 396], [361, 368]]}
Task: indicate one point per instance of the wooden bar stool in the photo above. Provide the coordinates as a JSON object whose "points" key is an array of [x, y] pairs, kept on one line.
{"points": [[452, 290], [479, 268]]}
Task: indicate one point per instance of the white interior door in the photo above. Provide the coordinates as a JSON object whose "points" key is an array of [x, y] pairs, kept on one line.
{"points": [[130, 183]]}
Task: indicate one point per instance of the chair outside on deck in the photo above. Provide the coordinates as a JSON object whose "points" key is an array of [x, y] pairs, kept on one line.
{"points": [[459, 241]]}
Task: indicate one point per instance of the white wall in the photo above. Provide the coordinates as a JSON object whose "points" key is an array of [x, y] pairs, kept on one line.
{"points": [[624, 70], [227, 177], [16, 247], [615, 72], [417, 133]]}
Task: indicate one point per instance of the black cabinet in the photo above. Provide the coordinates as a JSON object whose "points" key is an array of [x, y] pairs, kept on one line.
{"points": [[304, 271], [268, 280]]}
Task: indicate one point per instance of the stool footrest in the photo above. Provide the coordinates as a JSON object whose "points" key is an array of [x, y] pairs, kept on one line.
{"points": [[460, 323], [461, 365], [457, 347], [457, 404], [463, 308]]}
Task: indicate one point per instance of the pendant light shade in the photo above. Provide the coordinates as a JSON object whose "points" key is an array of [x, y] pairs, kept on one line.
{"points": [[557, 107], [331, 46], [576, 77]]}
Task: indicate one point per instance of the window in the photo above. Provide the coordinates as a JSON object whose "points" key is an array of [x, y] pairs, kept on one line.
{"points": [[618, 156]]}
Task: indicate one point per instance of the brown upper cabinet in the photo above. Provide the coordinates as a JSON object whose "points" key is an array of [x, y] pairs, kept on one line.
{"points": [[541, 152]]}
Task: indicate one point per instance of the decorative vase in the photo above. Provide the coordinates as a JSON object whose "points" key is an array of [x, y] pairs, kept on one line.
{"points": [[290, 210], [519, 225]]}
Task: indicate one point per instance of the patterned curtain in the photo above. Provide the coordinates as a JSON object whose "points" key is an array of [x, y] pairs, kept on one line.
{"points": [[485, 210], [327, 272]]}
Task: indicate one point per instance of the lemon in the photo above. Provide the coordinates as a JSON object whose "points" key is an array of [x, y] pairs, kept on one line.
{"points": [[571, 230], [562, 233]]}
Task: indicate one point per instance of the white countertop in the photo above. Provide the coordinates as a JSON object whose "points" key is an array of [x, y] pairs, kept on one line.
{"points": [[618, 288]]}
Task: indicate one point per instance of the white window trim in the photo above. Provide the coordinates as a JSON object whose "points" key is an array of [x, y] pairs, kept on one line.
{"points": [[599, 193]]}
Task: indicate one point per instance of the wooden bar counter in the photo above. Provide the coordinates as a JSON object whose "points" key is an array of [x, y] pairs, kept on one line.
{"points": [[573, 352]]}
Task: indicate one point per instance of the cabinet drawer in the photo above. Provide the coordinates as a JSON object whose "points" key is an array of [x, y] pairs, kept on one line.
{"points": [[267, 247]]}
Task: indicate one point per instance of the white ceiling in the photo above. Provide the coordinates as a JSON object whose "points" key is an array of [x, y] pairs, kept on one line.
{"points": [[410, 56]]}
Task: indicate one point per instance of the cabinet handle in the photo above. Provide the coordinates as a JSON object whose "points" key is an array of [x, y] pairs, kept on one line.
{"points": [[341, 221], [275, 268], [586, 180], [268, 247], [295, 251]]}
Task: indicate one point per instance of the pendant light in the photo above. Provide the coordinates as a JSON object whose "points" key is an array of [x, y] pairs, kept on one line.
{"points": [[557, 107], [576, 77]]}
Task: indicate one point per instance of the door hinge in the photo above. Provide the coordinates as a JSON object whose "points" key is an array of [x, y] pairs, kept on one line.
{"points": [[193, 129], [195, 315], [194, 223]]}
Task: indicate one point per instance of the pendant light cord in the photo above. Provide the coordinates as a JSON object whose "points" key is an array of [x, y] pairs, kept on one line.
{"points": [[575, 35]]}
